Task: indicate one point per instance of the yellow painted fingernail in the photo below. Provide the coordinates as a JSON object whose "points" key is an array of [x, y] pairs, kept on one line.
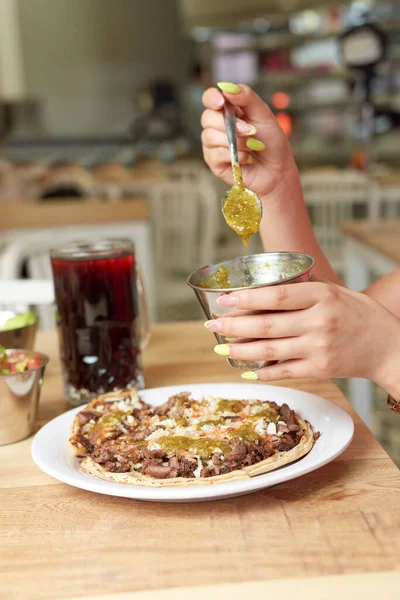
{"points": [[222, 349], [250, 160], [231, 88], [249, 376], [255, 144], [229, 339]]}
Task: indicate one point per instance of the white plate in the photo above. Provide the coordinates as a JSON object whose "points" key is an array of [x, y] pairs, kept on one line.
{"points": [[51, 453]]}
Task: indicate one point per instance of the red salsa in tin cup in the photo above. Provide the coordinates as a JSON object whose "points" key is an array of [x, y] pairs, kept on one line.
{"points": [[18, 361]]}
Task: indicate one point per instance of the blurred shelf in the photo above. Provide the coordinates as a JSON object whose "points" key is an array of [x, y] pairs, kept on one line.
{"points": [[387, 99], [19, 142], [278, 40], [300, 107], [298, 77]]}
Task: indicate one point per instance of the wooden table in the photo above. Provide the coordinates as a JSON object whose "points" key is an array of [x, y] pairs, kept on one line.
{"points": [[65, 212], [380, 237], [372, 250], [62, 542]]}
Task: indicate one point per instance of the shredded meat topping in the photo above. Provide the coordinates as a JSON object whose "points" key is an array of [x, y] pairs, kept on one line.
{"points": [[123, 447]]}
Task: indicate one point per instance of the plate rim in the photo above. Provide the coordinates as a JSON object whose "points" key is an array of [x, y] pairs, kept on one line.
{"points": [[188, 493]]}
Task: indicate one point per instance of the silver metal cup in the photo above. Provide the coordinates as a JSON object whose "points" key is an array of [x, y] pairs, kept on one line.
{"points": [[19, 399], [20, 337], [245, 272]]}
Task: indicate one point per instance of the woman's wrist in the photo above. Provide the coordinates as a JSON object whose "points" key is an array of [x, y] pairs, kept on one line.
{"points": [[391, 384], [287, 226], [387, 376], [288, 189]]}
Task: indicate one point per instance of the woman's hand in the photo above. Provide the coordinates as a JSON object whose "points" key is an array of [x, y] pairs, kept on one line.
{"points": [[320, 330], [271, 172], [264, 150]]}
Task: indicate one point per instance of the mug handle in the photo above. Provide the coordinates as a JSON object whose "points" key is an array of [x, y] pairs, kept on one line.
{"points": [[145, 332]]}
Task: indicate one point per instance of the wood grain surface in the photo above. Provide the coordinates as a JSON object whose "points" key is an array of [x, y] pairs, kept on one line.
{"points": [[62, 542], [368, 586], [383, 236]]}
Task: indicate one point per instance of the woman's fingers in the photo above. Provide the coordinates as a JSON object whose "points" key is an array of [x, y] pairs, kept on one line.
{"points": [[212, 119], [267, 325], [281, 297], [212, 138], [254, 107], [219, 159], [277, 349], [289, 369], [213, 99]]}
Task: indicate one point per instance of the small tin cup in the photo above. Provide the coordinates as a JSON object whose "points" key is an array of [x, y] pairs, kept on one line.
{"points": [[19, 399], [19, 337], [247, 272]]}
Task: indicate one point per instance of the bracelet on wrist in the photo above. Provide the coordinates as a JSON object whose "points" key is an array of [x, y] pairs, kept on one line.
{"points": [[393, 404]]}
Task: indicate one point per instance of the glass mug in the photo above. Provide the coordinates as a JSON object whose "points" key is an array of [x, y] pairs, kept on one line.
{"points": [[102, 330]]}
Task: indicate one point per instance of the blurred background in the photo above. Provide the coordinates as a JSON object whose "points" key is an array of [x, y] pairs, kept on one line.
{"points": [[100, 106]]}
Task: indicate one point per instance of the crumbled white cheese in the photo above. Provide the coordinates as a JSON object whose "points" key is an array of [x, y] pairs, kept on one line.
{"points": [[207, 428], [130, 420], [191, 429], [168, 423], [156, 434], [260, 427], [135, 400], [122, 405], [180, 431], [281, 423], [197, 472], [271, 429], [154, 446], [100, 407], [212, 403]]}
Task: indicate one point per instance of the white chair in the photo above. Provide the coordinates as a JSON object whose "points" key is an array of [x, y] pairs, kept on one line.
{"points": [[22, 293], [11, 186], [389, 199], [332, 197], [187, 169], [33, 248], [185, 230]]}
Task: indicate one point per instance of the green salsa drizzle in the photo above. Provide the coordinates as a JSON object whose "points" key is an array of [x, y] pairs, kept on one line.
{"points": [[204, 447], [268, 414], [245, 433], [109, 421], [233, 406], [181, 401], [215, 422]]}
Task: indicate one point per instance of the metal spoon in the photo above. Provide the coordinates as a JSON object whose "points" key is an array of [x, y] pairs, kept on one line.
{"points": [[241, 207]]}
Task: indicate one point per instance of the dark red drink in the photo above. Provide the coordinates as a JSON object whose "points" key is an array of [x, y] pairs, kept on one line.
{"points": [[96, 295]]}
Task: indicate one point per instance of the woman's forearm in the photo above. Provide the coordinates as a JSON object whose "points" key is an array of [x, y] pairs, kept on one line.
{"points": [[286, 226], [386, 291], [388, 373]]}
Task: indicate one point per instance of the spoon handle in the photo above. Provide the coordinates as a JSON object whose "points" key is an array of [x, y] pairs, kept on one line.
{"points": [[230, 126]]}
